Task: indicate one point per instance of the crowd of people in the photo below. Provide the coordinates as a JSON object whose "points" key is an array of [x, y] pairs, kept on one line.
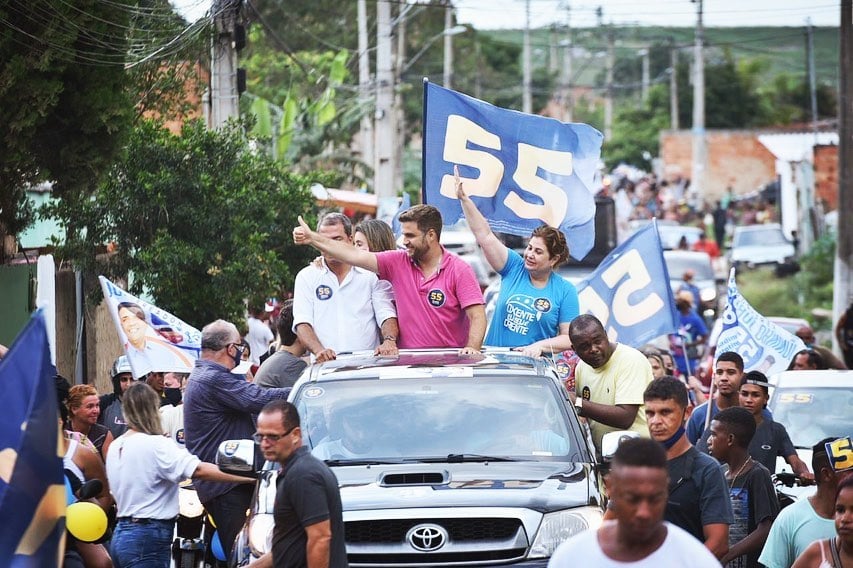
{"points": [[707, 471]]}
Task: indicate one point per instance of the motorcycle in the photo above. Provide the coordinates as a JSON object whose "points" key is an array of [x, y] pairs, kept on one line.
{"points": [[191, 530]]}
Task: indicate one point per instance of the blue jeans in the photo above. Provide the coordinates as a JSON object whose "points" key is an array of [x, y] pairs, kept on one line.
{"points": [[146, 544]]}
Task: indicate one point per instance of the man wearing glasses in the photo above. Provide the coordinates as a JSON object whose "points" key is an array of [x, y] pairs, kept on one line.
{"points": [[309, 526], [218, 406]]}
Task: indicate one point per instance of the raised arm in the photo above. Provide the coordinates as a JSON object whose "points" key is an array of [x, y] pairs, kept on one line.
{"points": [[303, 235], [494, 250]]}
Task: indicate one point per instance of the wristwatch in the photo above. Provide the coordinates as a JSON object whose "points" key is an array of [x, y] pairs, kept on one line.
{"points": [[579, 404], [389, 338]]}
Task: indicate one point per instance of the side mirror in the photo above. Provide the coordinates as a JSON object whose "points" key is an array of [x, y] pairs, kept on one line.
{"points": [[611, 441], [236, 457]]}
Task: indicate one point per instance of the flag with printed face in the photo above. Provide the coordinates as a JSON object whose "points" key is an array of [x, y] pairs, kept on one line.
{"points": [[764, 346], [153, 339], [32, 485], [521, 170], [629, 292]]}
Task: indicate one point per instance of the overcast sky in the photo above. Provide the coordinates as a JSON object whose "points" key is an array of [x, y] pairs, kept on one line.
{"points": [[490, 14]]}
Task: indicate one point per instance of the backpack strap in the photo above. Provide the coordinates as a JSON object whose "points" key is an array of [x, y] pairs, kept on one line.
{"points": [[833, 549]]}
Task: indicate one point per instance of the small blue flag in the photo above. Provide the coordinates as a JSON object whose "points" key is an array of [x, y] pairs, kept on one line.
{"points": [[521, 170], [629, 292], [405, 203], [32, 484]]}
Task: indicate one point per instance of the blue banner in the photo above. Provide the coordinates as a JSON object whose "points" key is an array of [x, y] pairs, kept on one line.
{"points": [[630, 293], [764, 346], [153, 339], [521, 170], [32, 485]]}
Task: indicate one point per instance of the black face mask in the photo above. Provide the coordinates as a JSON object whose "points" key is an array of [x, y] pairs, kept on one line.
{"points": [[238, 356]]}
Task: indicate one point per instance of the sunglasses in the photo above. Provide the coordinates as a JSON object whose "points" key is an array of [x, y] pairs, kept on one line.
{"points": [[274, 438]]}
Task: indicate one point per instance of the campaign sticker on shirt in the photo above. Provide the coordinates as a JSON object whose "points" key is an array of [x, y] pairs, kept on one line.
{"points": [[436, 297], [180, 438], [323, 292], [542, 305], [585, 394], [314, 392]]}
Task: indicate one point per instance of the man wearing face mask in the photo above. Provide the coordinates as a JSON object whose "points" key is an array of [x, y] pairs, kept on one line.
{"points": [[697, 487], [218, 406]]}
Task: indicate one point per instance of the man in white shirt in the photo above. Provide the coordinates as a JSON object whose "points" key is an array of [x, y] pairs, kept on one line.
{"points": [[639, 537], [259, 336], [338, 307]]}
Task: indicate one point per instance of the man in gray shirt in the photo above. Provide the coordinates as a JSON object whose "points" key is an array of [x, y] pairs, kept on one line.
{"points": [[282, 368]]}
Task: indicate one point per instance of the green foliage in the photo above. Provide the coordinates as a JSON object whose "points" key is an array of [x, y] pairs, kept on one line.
{"points": [[769, 295], [201, 220], [636, 132], [63, 106], [814, 281]]}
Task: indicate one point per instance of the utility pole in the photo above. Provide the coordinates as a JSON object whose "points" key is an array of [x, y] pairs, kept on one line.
{"points": [[223, 72], [399, 113], [608, 97], [841, 292], [553, 58], [812, 80], [697, 182], [385, 127], [566, 82], [673, 85], [448, 46], [645, 89], [527, 100], [366, 124], [478, 87]]}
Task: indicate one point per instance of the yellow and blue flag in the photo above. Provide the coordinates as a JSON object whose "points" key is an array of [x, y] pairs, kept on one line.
{"points": [[521, 170], [32, 487]]}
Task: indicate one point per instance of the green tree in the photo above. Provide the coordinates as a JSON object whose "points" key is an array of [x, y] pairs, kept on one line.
{"points": [[64, 108], [201, 220]]}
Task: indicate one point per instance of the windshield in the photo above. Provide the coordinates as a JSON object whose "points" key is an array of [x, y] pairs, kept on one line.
{"points": [[812, 414], [700, 265], [410, 419], [763, 238]]}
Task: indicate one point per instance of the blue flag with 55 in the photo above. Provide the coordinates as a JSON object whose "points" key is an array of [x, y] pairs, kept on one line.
{"points": [[521, 170]]}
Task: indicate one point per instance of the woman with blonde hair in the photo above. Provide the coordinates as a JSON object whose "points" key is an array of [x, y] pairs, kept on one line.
{"points": [[84, 407], [374, 235], [144, 468]]}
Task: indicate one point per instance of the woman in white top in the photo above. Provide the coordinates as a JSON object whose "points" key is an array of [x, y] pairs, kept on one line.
{"points": [[144, 469]]}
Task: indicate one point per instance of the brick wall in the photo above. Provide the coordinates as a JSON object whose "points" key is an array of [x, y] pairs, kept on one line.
{"points": [[735, 158], [826, 175]]}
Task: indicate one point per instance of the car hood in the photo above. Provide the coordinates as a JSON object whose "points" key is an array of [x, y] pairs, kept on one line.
{"points": [[541, 486]]}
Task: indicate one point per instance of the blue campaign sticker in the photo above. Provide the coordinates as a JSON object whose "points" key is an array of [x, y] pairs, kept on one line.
{"points": [[323, 292], [436, 297], [314, 392], [542, 304], [180, 437]]}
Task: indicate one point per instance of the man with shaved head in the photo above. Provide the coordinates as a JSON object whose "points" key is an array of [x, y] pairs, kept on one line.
{"points": [[609, 380], [218, 406]]}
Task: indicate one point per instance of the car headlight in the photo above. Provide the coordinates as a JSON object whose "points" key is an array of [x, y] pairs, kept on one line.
{"points": [[260, 534], [557, 527], [708, 294]]}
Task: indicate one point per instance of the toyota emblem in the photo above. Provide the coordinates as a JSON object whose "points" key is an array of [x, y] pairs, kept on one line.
{"points": [[427, 537]]}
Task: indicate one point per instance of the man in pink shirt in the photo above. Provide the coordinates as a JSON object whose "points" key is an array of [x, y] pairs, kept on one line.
{"points": [[439, 302]]}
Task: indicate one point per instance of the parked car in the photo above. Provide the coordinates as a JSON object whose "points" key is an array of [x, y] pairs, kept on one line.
{"points": [[755, 245], [812, 405], [484, 454], [670, 235], [678, 262]]}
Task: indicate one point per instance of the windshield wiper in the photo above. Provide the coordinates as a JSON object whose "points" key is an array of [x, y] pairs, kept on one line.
{"points": [[360, 461], [463, 458]]}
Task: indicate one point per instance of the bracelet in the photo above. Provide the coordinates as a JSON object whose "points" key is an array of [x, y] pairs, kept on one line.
{"points": [[390, 338]]}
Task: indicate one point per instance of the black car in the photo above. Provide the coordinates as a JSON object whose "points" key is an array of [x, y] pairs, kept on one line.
{"points": [[443, 459]]}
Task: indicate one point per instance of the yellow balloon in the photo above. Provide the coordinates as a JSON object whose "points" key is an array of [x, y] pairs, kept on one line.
{"points": [[86, 521]]}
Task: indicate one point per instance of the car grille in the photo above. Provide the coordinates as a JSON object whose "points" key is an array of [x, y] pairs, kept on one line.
{"points": [[470, 540]]}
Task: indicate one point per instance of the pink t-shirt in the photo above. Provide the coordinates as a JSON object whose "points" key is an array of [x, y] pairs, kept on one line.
{"points": [[431, 311]]}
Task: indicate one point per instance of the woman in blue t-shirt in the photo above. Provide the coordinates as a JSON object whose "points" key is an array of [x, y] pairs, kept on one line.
{"points": [[536, 305]]}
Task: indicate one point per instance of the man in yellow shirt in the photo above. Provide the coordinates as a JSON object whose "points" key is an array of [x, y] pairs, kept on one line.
{"points": [[609, 381]]}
